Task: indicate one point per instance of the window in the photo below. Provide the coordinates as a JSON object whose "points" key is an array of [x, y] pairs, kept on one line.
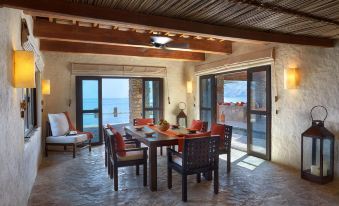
{"points": [[153, 98], [30, 114]]}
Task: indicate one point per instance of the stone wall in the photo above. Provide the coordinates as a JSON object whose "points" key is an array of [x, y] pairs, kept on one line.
{"points": [[135, 98], [19, 160], [319, 69], [58, 66]]}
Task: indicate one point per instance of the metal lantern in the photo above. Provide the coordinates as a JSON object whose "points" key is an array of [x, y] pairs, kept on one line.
{"points": [[182, 117], [317, 152]]}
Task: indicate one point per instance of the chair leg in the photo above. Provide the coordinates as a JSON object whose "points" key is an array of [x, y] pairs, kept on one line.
{"points": [[229, 162], [105, 159], [137, 169], [111, 171], [65, 147], [46, 150], [145, 174], [169, 178], [216, 181], [198, 177], [90, 145], [161, 151], [74, 147], [184, 188], [115, 173]]}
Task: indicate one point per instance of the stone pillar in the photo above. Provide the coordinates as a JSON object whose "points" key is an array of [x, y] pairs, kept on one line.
{"points": [[135, 98], [220, 88]]}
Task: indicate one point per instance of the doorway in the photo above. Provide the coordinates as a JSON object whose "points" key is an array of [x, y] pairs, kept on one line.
{"points": [[243, 100]]}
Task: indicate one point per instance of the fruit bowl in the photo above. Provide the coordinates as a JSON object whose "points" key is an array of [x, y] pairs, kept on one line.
{"points": [[163, 125]]}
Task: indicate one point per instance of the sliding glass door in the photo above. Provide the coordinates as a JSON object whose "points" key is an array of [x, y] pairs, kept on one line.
{"points": [[259, 112], [153, 98], [207, 99], [88, 91]]}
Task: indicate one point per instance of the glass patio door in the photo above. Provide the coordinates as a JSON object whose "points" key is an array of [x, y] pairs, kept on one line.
{"points": [[207, 99], [153, 98], [259, 112], [115, 102], [88, 91]]}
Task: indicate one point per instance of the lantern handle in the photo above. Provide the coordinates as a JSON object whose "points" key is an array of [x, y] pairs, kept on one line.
{"points": [[321, 107]]}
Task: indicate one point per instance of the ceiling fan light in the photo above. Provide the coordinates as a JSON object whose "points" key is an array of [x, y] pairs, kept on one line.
{"points": [[160, 40]]}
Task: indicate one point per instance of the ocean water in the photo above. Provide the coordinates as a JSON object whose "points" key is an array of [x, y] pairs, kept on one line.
{"points": [[108, 105]]}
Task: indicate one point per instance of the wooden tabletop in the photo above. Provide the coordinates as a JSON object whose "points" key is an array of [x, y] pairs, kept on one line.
{"points": [[158, 138]]}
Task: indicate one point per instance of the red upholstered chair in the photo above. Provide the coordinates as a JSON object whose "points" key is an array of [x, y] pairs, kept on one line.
{"points": [[199, 125], [225, 133]]}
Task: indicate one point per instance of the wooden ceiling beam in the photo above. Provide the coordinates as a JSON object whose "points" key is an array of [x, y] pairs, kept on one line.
{"points": [[65, 10], [88, 48], [73, 33]]}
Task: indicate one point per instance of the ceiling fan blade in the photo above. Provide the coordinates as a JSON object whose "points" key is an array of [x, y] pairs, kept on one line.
{"points": [[178, 45]]}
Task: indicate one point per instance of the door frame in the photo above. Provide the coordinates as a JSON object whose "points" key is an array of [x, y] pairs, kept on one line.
{"points": [[79, 104], [268, 112]]}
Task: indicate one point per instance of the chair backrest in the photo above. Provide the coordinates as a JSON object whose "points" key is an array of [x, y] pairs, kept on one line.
{"points": [[204, 127], [48, 129], [228, 137], [201, 153], [104, 128], [109, 136], [142, 121]]}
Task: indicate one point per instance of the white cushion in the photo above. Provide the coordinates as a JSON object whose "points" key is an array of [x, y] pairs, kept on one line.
{"points": [[133, 155], [177, 159], [67, 139], [59, 124]]}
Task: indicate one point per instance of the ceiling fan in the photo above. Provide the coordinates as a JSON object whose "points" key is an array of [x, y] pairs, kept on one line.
{"points": [[164, 42]]}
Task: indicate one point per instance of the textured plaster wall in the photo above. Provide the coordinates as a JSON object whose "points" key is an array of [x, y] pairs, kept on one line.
{"points": [[57, 69], [319, 69], [19, 161]]}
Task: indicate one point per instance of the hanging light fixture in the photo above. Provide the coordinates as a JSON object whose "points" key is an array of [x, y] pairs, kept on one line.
{"points": [[24, 69]]}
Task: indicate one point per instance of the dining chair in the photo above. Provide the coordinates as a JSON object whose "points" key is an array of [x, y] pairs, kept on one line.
{"points": [[225, 133], [125, 158], [130, 143], [200, 155], [199, 125]]}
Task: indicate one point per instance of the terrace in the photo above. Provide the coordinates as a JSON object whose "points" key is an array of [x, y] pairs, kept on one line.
{"points": [[166, 102]]}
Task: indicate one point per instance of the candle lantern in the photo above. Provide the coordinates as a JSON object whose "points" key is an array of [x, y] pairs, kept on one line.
{"points": [[317, 152], [182, 117]]}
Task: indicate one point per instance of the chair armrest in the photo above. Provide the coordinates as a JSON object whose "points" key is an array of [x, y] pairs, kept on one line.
{"points": [[136, 149], [172, 151]]}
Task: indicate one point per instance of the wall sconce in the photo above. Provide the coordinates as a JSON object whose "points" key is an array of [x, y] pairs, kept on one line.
{"points": [[24, 69], [46, 87], [189, 87], [291, 78]]}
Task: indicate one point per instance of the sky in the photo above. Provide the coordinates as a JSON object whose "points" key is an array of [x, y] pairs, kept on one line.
{"points": [[111, 88]]}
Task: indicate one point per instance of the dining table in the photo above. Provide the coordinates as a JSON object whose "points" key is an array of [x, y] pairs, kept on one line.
{"points": [[159, 138]]}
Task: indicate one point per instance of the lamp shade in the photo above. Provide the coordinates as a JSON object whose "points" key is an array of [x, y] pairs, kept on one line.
{"points": [[189, 87], [291, 78], [24, 69], [46, 87]]}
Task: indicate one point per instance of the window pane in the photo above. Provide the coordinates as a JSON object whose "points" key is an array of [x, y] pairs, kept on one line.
{"points": [[149, 94], [206, 90], [91, 124], [153, 114], [90, 94], [258, 123], [258, 91]]}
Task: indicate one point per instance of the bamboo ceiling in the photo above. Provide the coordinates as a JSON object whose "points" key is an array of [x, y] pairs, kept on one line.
{"points": [[319, 18]]}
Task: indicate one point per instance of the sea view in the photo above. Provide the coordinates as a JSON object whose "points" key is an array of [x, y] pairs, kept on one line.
{"points": [[108, 105]]}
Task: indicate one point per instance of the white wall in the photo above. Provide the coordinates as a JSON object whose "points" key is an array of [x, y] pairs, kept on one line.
{"points": [[57, 69], [319, 69], [19, 161]]}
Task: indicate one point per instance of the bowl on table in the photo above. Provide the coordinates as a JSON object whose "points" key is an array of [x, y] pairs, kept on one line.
{"points": [[191, 131], [149, 134], [150, 124], [139, 128]]}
